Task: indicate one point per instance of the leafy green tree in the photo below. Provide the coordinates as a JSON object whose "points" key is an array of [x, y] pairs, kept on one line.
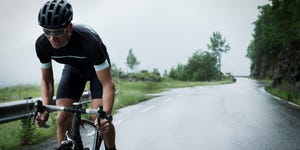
{"points": [[200, 67], [178, 73], [132, 61], [218, 46], [275, 49]]}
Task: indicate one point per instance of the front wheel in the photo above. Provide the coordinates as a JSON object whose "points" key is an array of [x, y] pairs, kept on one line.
{"points": [[66, 145], [90, 136]]}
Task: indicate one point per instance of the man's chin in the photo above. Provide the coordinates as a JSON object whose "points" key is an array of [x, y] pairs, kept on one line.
{"points": [[56, 46]]}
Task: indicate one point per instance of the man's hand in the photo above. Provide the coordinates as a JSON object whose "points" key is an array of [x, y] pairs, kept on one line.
{"points": [[104, 125], [41, 119]]}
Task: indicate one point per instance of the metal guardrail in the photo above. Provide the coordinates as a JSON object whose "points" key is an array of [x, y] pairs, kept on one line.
{"points": [[16, 110]]}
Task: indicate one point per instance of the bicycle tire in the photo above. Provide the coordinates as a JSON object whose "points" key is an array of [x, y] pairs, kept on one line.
{"points": [[66, 146], [97, 138]]}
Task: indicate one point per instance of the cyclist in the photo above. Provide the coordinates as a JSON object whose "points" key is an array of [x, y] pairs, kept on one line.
{"points": [[85, 58]]}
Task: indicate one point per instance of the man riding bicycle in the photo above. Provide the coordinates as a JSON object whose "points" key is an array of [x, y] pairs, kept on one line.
{"points": [[85, 58]]}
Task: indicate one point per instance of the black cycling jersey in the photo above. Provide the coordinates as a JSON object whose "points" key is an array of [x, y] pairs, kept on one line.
{"points": [[84, 48], [83, 56]]}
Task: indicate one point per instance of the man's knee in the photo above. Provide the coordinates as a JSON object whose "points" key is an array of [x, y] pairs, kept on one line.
{"points": [[112, 148], [63, 118]]}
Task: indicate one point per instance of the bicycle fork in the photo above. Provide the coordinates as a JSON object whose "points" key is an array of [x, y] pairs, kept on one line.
{"points": [[73, 140], [75, 135]]}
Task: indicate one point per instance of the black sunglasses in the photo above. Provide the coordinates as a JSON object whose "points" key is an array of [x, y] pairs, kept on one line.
{"points": [[54, 32]]}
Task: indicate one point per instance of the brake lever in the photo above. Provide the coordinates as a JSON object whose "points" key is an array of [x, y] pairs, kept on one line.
{"points": [[103, 115], [34, 117], [39, 108], [100, 110]]}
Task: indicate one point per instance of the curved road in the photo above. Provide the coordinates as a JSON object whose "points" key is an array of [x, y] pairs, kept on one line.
{"points": [[228, 117], [239, 116]]}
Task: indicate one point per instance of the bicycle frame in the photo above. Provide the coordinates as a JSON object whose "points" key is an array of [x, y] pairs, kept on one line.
{"points": [[74, 141], [75, 138]]}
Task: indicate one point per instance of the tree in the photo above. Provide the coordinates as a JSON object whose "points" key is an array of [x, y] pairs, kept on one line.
{"points": [[275, 49], [218, 45], [178, 73], [132, 61], [200, 67]]}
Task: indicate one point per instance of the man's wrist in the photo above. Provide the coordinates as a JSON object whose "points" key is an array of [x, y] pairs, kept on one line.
{"points": [[109, 117], [47, 112], [46, 101]]}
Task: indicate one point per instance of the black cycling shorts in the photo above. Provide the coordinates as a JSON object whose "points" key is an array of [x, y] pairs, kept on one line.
{"points": [[74, 79]]}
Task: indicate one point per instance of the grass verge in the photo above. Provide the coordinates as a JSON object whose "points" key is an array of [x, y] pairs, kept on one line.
{"points": [[284, 91], [129, 93]]}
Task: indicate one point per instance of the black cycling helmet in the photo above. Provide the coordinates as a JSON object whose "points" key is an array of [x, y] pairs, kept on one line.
{"points": [[55, 14]]}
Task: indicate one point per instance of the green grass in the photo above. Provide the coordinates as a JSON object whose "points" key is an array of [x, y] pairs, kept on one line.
{"points": [[128, 93], [10, 136], [13, 135], [19, 92], [284, 91]]}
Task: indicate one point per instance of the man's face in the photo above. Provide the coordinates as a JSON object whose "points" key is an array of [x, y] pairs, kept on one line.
{"points": [[57, 37]]}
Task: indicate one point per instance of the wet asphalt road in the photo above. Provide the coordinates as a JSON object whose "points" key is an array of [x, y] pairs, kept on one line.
{"points": [[239, 116]]}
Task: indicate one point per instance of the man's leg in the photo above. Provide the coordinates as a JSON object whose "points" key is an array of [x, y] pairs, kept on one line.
{"points": [[109, 137], [64, 119], [70, 89]]}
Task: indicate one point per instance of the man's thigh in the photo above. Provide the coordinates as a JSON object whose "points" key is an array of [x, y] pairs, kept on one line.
{"points": [[71, 85]]}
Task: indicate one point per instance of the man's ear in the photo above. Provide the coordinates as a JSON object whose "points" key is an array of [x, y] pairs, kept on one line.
{"points": [[69, 28]]}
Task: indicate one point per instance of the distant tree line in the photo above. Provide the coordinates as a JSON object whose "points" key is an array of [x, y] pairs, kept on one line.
{"points": [[135, 75], [202, 66], [275, 48]]}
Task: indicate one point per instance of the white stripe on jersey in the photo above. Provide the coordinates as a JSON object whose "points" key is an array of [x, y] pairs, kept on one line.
{"points": [[46, 65], [101, 66], [69, 56]]}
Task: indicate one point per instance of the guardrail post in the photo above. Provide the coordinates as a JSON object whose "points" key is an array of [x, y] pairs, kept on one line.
{"points": [[27, 129]]}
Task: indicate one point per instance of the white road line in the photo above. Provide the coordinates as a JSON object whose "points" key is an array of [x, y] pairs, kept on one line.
{"points": [[148, 108], [179, 95], [91, 133], [169, 99], [291, 103], [118, 122]]}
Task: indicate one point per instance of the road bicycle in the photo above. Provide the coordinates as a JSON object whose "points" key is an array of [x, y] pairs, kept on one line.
{"points": [[73, 140]]}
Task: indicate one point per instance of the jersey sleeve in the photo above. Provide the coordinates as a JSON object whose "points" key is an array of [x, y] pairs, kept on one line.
{"points": [[101, 60], [42, 54]]}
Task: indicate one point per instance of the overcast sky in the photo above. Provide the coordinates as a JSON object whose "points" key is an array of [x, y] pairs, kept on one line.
{"points": [[161, 33]]}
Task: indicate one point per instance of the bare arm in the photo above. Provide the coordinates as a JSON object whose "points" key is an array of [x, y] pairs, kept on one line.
{"points": [[108, 95], [47, 90], [47, 85]]}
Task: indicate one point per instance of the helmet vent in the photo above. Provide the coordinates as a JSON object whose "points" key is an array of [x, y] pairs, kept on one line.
{"points": [[57, 10], [51, 6], [49, 18]]}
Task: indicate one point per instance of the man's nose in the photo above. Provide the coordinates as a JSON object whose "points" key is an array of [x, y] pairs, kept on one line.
{"points": [[52, 37]]}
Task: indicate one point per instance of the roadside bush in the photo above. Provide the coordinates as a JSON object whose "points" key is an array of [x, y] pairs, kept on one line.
{"points": [[142, 76]]}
